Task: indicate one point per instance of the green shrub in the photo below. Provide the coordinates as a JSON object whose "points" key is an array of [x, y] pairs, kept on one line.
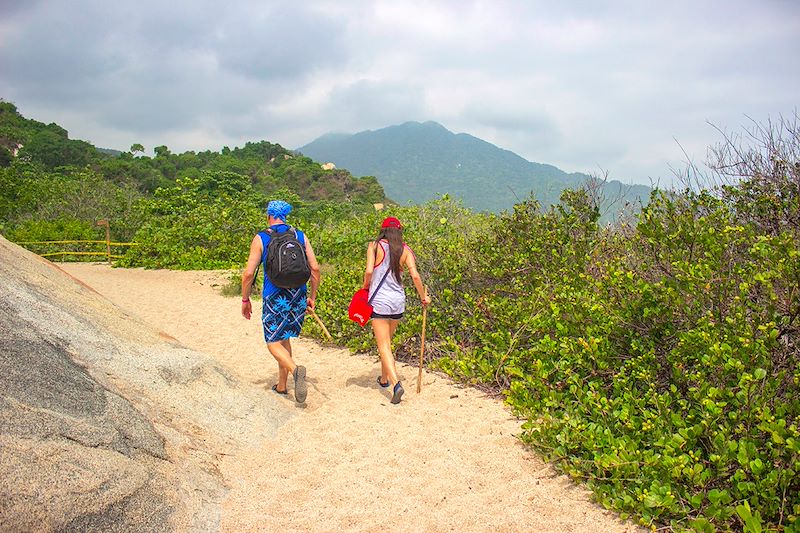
{"points": [[204, 223], [657, 364]]}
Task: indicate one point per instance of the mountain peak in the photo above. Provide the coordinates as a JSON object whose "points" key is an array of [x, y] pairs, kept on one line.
{"points": [[428, 124], [419, 161], [412, 127]]}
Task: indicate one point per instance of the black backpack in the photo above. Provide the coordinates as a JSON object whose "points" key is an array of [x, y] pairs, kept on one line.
{"points": [[286, 262]]}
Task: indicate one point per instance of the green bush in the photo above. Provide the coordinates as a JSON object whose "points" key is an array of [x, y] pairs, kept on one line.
{"points": [[659, 365], [203, 223]]}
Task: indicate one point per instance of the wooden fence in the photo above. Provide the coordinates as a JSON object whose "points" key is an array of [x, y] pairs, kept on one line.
{"points": [[64, 253]]}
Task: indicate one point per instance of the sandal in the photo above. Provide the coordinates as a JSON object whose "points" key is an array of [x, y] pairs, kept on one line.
{"points": [[398, 393], [300, 387], [382, 384], [283, 392]]}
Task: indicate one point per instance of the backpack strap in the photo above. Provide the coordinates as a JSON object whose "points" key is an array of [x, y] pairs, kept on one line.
{"points": [[264, 245], [388, 269], [378, 287], [269, 232]]}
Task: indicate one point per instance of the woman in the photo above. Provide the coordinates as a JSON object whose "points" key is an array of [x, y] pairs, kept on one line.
{"points": [[283, 310], [383, 279]]}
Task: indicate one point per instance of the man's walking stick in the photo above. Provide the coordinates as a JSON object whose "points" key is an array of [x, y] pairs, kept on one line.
{"points": [[422, 344], [324, 329]]}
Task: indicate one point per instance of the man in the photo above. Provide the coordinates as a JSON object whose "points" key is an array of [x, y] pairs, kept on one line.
{"points": [[283, 309]]}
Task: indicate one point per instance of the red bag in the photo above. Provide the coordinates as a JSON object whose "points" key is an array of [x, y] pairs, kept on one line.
{"points": [[360, 309]]}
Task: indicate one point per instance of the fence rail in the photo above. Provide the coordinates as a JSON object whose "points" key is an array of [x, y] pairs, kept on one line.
{"points": [[107, 253]]}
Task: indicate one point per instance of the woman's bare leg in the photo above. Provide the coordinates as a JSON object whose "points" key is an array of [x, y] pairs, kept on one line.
{"points": [[383, 329]]}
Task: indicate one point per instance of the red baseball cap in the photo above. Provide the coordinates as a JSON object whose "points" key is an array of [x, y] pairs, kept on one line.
{"points": [[391, 222]]}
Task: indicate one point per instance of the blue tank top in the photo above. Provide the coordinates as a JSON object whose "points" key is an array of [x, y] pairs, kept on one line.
{"points": [[270, 289]]}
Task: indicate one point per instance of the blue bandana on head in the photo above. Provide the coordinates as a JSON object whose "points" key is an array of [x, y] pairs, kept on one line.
{"points": [[279, 209]]}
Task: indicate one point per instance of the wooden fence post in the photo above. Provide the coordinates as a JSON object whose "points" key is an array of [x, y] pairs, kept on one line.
{"points": [[104, 222]]}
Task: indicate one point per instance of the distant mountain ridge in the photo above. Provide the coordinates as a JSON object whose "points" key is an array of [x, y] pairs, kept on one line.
{"points": [[416, 162]]}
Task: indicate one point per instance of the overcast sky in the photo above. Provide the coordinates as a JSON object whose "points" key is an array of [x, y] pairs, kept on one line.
{"points": [[590, 86]]}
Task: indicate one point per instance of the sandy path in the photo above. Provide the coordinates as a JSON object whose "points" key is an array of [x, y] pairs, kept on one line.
{"points": [[444, 460]]}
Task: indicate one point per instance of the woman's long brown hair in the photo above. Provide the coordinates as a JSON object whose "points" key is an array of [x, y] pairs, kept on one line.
{"points": [[395, 238]]}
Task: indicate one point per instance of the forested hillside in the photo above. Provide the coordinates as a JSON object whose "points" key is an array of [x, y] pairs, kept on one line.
{"points": [[655, 361], [417, 162], [54, 187]]}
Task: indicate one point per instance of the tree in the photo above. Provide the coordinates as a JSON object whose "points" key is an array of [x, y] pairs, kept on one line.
{"points": [[52, 148], [161, 151], [137, 148]]}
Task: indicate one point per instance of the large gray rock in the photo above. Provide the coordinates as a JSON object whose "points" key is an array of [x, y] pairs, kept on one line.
{"points": [[106, 424], [73, 453]]}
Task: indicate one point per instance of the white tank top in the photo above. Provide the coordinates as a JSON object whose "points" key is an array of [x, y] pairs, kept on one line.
{"points": [[390, 298]]}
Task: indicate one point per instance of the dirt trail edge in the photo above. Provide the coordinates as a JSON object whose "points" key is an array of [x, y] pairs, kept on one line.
{"points": [[443, 460]]}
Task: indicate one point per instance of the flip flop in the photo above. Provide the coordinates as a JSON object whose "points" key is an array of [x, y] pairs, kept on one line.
{"points": [[300, 387], [398, 393], [283, 392], [382, 384]]}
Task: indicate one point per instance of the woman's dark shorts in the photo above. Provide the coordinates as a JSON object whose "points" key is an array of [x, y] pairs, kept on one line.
{"points": [[393, 317]]}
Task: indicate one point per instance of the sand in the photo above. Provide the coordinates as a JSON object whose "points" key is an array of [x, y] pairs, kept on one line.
{"points": [[447, 459]]}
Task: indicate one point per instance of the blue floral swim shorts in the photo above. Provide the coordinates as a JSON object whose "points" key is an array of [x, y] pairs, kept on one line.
{"points": [[283, 314]]}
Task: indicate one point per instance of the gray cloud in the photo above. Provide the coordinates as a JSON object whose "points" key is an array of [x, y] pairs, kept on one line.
{"points": [[285, 42], [582, 85], [374, 104]]}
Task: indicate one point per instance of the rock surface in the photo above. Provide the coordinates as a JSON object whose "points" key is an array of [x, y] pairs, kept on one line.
{"points": [[107, 424]]}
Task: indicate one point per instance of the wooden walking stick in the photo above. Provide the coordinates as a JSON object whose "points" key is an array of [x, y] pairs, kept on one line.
{"points": [[319, 321], [422, 344]]}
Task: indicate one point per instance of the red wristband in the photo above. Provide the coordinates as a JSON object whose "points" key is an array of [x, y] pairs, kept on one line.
{"points": [[244, 301]]}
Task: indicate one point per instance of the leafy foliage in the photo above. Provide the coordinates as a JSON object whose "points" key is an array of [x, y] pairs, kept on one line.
{"points": [[269, 167], [202, 223], [167, 201], [36, 205], [657, 363]]}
